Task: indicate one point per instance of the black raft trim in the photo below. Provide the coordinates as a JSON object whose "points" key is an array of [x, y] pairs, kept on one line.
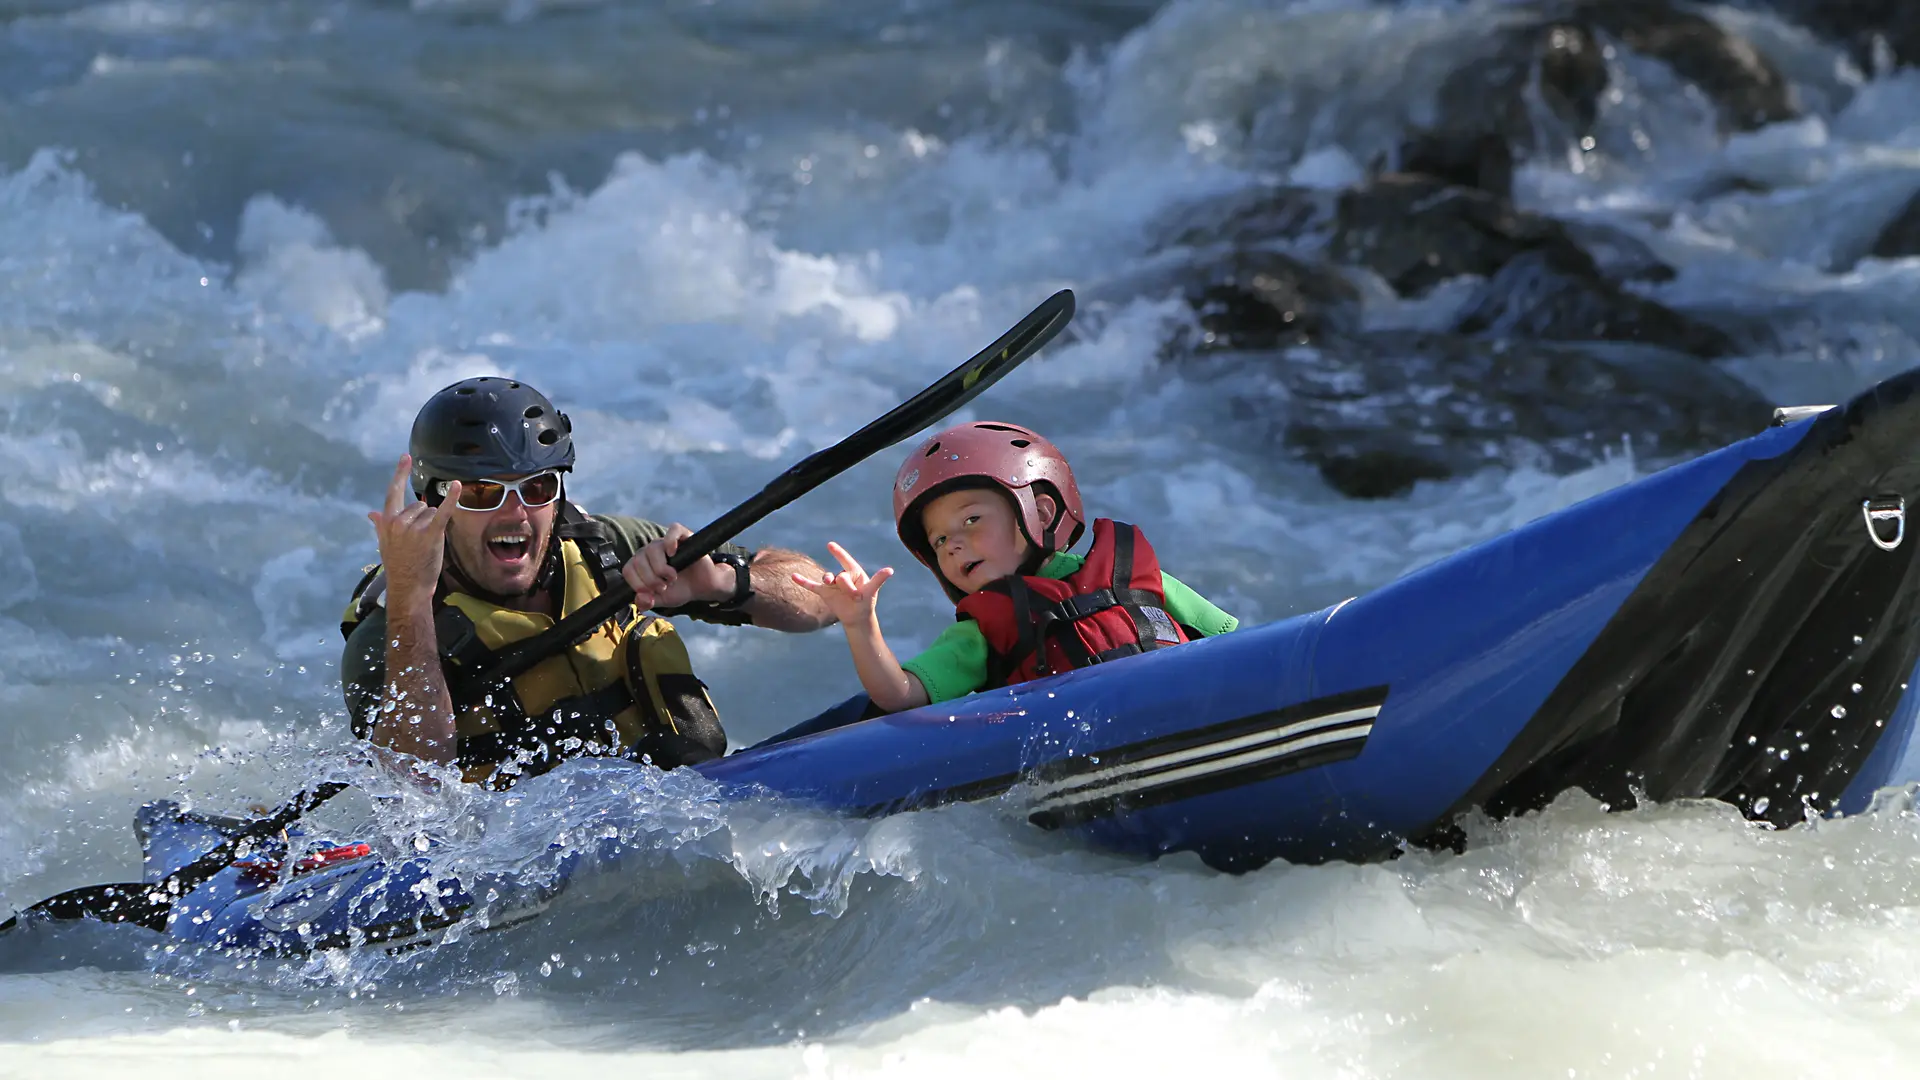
{"points": [[1730, 672], [1086, 763]]}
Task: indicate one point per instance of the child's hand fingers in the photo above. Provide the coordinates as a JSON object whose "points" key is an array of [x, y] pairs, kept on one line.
{"points": [[846, 560], [807, 583], [878, 579]]}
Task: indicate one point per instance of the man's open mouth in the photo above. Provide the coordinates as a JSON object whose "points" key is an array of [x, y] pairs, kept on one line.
{"points": [[509, 549]]}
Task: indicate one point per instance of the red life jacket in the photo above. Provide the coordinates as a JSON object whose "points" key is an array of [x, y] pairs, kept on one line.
{"points": [[1112, 606]]}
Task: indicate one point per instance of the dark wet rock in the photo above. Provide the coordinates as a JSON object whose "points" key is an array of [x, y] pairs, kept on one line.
{"points": [[1268, 300], [1557, 294], [1545, 279], [1229, 258], [1417, 231], [1901, 237], [1473, 159], [1865, 27], [1747, 89], [1379, 413], [1250, 218], [1538, 85], [1618, 255]]}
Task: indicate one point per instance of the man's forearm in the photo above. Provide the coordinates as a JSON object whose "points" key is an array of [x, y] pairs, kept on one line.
{"points": [[415, 715], [778, 603]]}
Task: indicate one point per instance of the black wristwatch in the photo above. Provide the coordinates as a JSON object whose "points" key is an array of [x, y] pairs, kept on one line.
{"points": [[742, 581]]}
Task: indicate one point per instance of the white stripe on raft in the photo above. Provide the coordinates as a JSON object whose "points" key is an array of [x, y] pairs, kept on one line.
{"points": [[1157, 780], [1258, 746]]}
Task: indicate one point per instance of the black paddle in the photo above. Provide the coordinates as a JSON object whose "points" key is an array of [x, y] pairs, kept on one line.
{"points": [[149, 904]]}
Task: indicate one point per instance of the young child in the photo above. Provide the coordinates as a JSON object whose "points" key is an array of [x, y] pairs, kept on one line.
{"points": [[990, 508]]}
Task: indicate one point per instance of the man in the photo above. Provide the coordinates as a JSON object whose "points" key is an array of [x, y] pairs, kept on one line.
{"points": [[491, 555]]}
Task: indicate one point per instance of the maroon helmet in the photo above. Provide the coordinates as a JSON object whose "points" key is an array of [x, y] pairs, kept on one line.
{"points": [[987, 452]]}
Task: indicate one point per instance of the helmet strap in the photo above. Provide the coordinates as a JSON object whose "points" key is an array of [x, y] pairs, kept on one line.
{"points": [[1036, 558], [1049, 540]]}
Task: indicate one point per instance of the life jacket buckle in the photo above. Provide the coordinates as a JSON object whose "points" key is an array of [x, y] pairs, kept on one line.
{"points": [[1880, 510], [1081, 605]]}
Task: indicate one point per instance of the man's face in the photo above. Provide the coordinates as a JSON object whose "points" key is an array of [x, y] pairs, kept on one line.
{"points": [[502, 549]]}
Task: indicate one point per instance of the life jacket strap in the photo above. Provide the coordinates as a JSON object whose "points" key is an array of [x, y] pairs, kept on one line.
{"points": [[1081, 605], [595, 541], [1041, 621], [1124, 536]]}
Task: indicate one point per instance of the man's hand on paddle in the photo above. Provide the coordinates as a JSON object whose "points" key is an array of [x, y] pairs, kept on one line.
{"points": [[413, 538], [658, 585], [850, 594]]}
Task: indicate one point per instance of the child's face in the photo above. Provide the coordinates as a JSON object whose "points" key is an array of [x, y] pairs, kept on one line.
{"points": [[974, 537]]}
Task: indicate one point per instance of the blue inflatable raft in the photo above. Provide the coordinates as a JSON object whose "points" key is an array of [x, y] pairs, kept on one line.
{"points": [[1741, 626]]}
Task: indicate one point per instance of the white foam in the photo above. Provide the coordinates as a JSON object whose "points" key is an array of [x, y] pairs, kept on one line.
{"points": [[657, 245], [290, 263]]}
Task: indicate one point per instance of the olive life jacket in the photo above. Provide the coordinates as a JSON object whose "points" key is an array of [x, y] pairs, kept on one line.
{"points": [[1114, 605], [626, 690]]}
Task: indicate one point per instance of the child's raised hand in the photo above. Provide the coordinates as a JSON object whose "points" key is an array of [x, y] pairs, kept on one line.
{"points": [[849, 594]]}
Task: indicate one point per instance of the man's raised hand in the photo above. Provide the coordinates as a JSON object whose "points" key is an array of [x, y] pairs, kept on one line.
{"points": [[412, 537]]}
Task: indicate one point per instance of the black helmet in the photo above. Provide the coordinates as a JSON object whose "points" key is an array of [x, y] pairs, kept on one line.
{"points": [[489, 426]]}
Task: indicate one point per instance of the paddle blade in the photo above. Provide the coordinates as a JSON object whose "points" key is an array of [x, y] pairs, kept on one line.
{"points": [[149, 904], [956, 388], [141, 903], [936, 402]]}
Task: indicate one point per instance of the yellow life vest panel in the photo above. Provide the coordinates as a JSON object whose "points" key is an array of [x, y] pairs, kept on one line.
{"points": [[628, 689]]}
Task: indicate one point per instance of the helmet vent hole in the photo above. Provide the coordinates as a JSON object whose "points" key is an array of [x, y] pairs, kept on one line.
{"points": [[535, 412], [513, 386], [466, 449], [472, 421], [549, 437], [932, 450], [1022, 443], [464, 390], [996, 427]]}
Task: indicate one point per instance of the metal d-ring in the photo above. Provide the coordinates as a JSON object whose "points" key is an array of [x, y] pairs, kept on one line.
{"points": [[1885, 508]]}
